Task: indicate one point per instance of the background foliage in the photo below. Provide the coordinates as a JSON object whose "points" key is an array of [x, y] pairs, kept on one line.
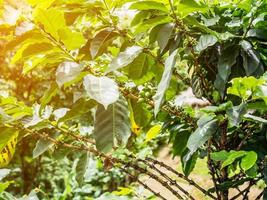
{"points": [[90, 87]]}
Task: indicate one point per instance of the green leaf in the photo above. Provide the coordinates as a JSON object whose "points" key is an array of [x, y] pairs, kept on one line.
{"points": [[8, 142], [124, 58], [153, 132], [43, 145], [188, 162], [251, 59], [219, 156], [249, 160], [225, 63], [100, 42], [71, 39], [201, 135], [67, 71], [236, 113], [165, 81], [7, 134], [30, 49], [233, 155], [112, 126], [206, 41], [41, 3], [245, 4], [185, 7], [123, 191], [253, 171], [52, 20], [79, 108], [102, 89], [260, 34], [245, 87], [140, 69], [142, 115], [192, 21], [140, 17], [4, 186], [180, 140], [48, 95], [81, 167], [150, 23], [255, 118], [164, 34], [149, 5]]}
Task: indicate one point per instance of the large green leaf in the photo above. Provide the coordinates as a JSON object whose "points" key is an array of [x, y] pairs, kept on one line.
{"points": [[201, 135], [149, 5], [219, 156], [71, 39], [140, 69], [251, 59], [102, 89], [180, 141], [206, 41], [245, 87], [185, 7], [101, 41], [233, 155], [192, 21], [165, 81], [124, 58], [52, 20], [164, 34], [140, 17], [248, 160], [226, 60], [150, 23], [112, 126]]}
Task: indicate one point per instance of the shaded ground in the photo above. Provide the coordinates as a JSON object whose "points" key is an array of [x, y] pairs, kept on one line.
{"points": [[200, 175]]}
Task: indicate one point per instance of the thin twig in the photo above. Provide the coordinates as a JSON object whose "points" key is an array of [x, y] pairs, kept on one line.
{"points": [[143, 184], [180, 175], [172, 182]]}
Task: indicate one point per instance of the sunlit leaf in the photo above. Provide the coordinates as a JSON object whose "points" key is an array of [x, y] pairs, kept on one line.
{"points": [[8, 142], [124, 58], [102, 89], [149, 5], [67, 71], [71, 39], [52, 20], [153, 132]]}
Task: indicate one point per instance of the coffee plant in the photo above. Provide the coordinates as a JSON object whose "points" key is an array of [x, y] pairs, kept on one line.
{"points": [[97, 79]]}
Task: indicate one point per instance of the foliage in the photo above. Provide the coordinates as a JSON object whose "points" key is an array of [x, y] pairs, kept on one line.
{"points": [[100, 77]]}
